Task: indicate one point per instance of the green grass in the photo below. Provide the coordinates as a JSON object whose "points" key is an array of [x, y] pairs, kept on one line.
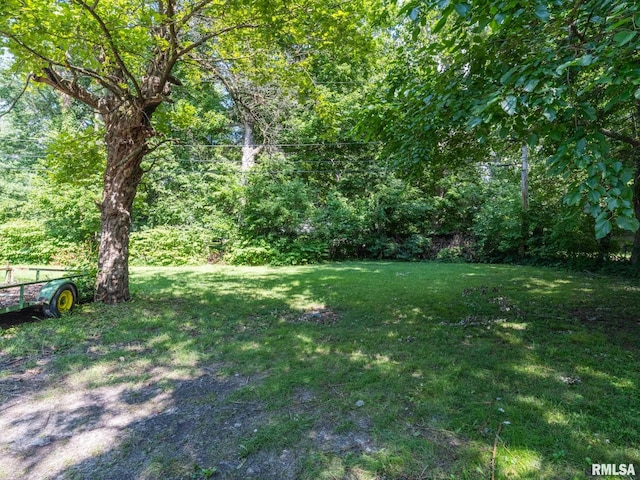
{"points": [[449, 360]]}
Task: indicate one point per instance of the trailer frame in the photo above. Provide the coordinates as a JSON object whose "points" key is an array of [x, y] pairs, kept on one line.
{"points": [[57, 296]]}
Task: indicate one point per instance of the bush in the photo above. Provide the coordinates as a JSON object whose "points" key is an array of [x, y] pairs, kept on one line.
{"points": [[161, 246], [276, 206], [343, 226], [245, 252], [498, 223], [451, 255], [299, 251], [29, 242], [399, 221]]}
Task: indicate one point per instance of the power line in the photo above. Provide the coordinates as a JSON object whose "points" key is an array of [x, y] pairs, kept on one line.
{"points": [[260, 172], [221, 160], [230, 145], [25, 169], [278, 145], [299, 160]]}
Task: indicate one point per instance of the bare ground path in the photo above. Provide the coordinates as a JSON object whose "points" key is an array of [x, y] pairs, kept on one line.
{"points": [[163, 423]]}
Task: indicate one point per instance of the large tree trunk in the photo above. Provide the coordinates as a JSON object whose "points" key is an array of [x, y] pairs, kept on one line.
{"points": [[126, 140]]}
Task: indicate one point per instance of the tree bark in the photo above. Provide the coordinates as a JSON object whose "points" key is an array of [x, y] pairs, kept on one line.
{"points": [[249, 151], [126, 137]]}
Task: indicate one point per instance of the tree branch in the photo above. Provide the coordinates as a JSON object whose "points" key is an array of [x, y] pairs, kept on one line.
{"points": [[17, 99], [213, 35], [173, 35], [112, 45], [68, 87], [195, 10], [622, 138], [105, 82]]}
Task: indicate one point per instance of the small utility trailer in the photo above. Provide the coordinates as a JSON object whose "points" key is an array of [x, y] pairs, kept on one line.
{"points": [[55, 296]]}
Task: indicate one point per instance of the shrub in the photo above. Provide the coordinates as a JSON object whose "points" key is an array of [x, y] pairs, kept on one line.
{"points": [[301, 251], [245, 252], [343, 225], [187, 245], [23, 241], [451, 255], [497, 224]]}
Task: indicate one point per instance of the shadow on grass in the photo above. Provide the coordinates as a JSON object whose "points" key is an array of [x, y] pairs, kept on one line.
{"points": [[349, 371], [13, 319]]}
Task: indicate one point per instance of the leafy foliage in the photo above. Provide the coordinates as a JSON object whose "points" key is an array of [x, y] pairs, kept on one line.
{"points": [[167, 245], [24, 241], [443, 100], [559, 76]]}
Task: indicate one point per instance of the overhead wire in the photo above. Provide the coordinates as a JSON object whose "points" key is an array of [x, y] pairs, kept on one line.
{"points": [[226, 145], [334, 161]]}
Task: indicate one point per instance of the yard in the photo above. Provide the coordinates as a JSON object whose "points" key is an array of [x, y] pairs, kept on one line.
{"points": [[334, 371]]}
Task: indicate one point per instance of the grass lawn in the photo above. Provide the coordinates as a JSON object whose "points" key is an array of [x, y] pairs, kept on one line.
{"points": [[354, 371]]}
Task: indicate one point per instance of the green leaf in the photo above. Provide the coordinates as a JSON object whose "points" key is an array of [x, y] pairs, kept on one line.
{"points": [[507, 76], [603, 226], [589, 111], [581, 145], [531, 85], [626, 176], [585, 60], [627, 223], [593, 182], [624, 37], [438, 26], [594, 196], [473, 122], [550, 114], [617, 167], [573, 198], [509, 104], [462, 9], [542, 13]]}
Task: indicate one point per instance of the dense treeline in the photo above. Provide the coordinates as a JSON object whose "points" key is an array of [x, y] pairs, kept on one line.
{"points": [[397, 149], [300, 203]]}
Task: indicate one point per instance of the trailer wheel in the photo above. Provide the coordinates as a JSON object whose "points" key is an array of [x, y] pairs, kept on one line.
{"points": [[62, 301]]}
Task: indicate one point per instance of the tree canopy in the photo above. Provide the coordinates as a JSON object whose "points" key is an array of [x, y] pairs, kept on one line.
{"points": [[561, 77], [124, 61], [361, 130]]}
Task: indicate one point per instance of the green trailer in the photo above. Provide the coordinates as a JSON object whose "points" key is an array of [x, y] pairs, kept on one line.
{"points": [[54, 296]]}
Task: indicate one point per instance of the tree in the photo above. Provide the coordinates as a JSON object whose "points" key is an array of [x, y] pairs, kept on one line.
{"points": [[560, 77], [123, 60]]}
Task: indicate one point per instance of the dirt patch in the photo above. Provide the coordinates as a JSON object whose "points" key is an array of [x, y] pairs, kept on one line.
{"points": [[154, 430], [323, 316], [168, 426]]}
